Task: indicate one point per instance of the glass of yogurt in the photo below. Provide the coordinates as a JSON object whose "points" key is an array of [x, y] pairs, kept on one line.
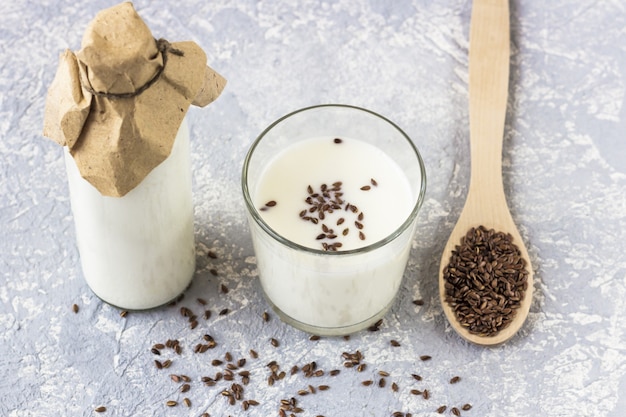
{"points": [[332, 194]]}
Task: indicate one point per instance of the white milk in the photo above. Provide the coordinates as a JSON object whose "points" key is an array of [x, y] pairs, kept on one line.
{"points": [[138, 251], [332, 290]]}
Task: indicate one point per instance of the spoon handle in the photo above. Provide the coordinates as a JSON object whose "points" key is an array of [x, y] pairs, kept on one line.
{"points": [[488, 88]]}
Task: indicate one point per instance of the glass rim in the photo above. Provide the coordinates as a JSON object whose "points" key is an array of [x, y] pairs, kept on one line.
{"points": [[254, 213]]}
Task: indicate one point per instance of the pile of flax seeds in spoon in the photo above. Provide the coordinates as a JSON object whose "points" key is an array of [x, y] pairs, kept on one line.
{"points": [[485, 281]]}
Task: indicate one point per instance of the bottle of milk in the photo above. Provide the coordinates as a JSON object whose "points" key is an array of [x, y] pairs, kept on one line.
{"points": [[118, 107]]}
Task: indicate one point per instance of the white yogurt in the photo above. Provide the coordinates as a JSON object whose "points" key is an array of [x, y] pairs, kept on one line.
{"points": [[328, 291], [138, 251]]}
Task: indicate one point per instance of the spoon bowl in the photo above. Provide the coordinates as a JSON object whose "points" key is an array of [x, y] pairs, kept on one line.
{"points": [[486, 203]]}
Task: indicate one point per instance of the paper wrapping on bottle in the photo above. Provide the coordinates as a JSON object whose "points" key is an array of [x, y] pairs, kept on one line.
{"points": [[118, 102]]}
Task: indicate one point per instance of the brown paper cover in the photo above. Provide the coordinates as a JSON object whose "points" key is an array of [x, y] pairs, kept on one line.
{"points": [[118, 102]]}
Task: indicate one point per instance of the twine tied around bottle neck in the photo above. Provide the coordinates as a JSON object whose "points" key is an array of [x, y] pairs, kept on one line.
{"points": [[164, 47]]}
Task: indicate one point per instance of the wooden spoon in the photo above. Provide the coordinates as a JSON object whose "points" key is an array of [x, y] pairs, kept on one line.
{"points": [[486, 204]]}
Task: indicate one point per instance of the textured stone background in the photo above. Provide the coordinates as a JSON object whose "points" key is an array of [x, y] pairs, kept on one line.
{"points": [[565, 178]]}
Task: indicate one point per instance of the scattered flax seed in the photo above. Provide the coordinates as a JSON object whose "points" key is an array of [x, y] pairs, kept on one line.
{"points": [[187, 402], [224, 289], [158, 364], [416, 377], [213, 272], [224, 312], [376, 326], [394, 343], [314, 338], [455, 411], [75, 308], [416, 392], [212, 255], [323, 388], [270, 203], [367, 383], [334, 372], [100, 409], [266, 317], [171, 403], [253, 354], [155, 351], [425, 357], [337, 140], [466, 407], [274, 342], [418, 302], [455, 379], [361, 235], [441, 409], [426, 394], [123, 313], [394, 387], [382, 382], [207, 314], [175, 378], [373, 181], [383, 373], [366, 188]]}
